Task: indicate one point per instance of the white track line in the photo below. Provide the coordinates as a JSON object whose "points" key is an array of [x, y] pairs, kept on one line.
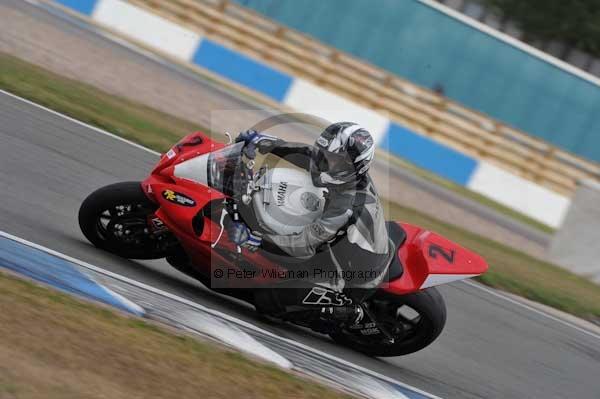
{"points": [[213, 312], [97, 130], [531, 308], [474, 285]]}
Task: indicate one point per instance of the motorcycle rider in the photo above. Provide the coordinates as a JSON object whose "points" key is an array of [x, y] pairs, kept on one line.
{"points": [[352, 227]]}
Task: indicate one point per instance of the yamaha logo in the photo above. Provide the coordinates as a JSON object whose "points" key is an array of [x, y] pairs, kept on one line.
{"points": [[281, 193]]}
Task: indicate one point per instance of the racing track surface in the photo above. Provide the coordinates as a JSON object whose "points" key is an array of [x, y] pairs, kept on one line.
{"points": [[491, 348]]}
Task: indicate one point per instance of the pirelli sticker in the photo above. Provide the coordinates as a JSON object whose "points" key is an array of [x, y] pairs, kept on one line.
{"points": [[178, 198]]}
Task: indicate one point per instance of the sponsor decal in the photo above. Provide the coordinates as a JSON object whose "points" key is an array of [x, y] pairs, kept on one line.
{"points": [[370, 331], [310, 201], [157, 225], [178, 198], [317, 229], [322, 141], [171, 154], [360, 326], [326, 297], [366, 329]]}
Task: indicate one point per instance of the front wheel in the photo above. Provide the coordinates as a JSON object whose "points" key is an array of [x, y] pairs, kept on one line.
{"points": [[116, 219], [414, 320]]}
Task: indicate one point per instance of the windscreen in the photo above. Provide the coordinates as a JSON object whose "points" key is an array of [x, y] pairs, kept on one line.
{"points": [[226, 171]]}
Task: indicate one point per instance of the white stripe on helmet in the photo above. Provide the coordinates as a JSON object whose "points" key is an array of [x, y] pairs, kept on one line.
{"points": [[368, 155], [340, 141]]}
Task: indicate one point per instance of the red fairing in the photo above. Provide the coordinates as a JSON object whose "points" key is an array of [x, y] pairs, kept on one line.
{"points": [[181, 202], [161, 185], [191, 145], [429, 259], [180, 217], [188, 147]]}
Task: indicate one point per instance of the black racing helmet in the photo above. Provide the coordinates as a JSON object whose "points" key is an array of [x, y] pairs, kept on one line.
{"points": [[344, 152]]}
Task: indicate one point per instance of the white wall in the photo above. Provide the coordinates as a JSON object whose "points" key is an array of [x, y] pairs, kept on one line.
{"points": [[522, 195], [306, 97], [148, 28]]}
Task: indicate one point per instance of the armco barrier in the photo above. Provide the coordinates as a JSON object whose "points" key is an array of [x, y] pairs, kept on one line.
{"points": [[170, 38]]}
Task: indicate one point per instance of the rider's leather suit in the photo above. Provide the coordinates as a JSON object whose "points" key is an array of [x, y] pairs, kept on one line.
{"points": [[352, 227]]}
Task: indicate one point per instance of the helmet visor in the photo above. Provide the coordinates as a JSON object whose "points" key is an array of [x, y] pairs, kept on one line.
{"points": [[333, 168]]}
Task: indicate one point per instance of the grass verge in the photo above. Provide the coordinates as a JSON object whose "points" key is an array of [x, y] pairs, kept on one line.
{"points": [[83, 102], [509, 269], [55, 346]]}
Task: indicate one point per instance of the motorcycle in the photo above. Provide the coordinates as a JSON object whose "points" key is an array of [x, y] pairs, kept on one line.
{"points": [[180, 210]]}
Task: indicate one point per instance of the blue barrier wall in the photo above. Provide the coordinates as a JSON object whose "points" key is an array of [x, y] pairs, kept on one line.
{"points": [[429, 154], [242, 69], [83, 6], [429, 47]]}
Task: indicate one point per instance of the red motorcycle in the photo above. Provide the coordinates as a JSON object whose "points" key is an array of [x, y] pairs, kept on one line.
{"points": [[179, 213]]}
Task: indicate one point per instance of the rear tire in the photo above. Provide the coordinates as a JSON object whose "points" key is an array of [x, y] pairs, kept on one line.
{"points": [[429, 304], [109, 208]]}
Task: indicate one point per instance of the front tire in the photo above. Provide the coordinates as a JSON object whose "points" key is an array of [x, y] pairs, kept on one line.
{"points": [[418, 332], [115, 218]]}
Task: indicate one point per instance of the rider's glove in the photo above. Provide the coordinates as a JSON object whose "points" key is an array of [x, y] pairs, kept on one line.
{"points": [[254, 241], [252, 138], [249, 136], [242, 236]]}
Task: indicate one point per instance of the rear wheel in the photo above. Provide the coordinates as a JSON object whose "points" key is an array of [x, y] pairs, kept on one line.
{"points": [[116, 219], [414, 321]]}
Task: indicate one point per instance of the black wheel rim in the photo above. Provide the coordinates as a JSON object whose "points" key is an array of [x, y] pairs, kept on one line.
{"points": [[126, 226]]}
